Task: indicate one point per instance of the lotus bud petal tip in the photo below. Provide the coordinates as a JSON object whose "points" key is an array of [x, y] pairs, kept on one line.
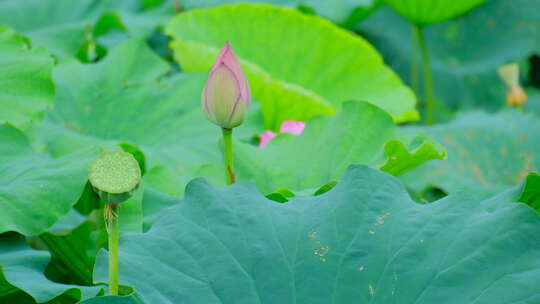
{"points": [[226, 96]]}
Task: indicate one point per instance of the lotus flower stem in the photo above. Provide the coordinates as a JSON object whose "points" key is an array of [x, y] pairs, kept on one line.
{"points": [[111, 220], [428, 83], [228, 156]]}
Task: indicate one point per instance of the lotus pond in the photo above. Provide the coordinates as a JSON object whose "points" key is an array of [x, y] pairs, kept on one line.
{"points": [[269, 152]]}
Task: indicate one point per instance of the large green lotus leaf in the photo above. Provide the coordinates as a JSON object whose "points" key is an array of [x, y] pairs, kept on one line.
{"points": [[344, 12], [401, 158], [359, 134], [64, 26], [365, 241], [530, 194], [465, 53], [425, 12], [533, 101], [59, 25], [298, 66], [154, 201], [487, 153], [23, 269], [113, 300], [35, 188], [26, 87], [6, 288], [72, 260], [20, 297]]}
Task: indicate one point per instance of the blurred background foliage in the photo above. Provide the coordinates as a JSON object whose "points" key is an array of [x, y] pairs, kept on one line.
{"points": [[93, 79]]}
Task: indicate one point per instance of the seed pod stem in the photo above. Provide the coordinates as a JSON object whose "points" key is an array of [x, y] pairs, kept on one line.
{"points": [[111, 220]]}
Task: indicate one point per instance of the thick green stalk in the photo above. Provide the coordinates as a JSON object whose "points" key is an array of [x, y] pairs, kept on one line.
{"points": [[111, 216], [428, 83], [228, 156], [414, 59]]}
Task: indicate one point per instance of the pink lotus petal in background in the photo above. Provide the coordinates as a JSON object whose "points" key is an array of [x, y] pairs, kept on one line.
{"points": [[266, 137], [288, 126], [292, 127]]}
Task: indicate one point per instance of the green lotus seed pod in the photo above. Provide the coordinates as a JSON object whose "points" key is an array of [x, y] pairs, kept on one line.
{"points": [[114, 175]]}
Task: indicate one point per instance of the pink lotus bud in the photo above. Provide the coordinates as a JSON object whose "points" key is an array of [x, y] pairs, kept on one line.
{"points": [[226, 96], [288, 126], [292, 127]]}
